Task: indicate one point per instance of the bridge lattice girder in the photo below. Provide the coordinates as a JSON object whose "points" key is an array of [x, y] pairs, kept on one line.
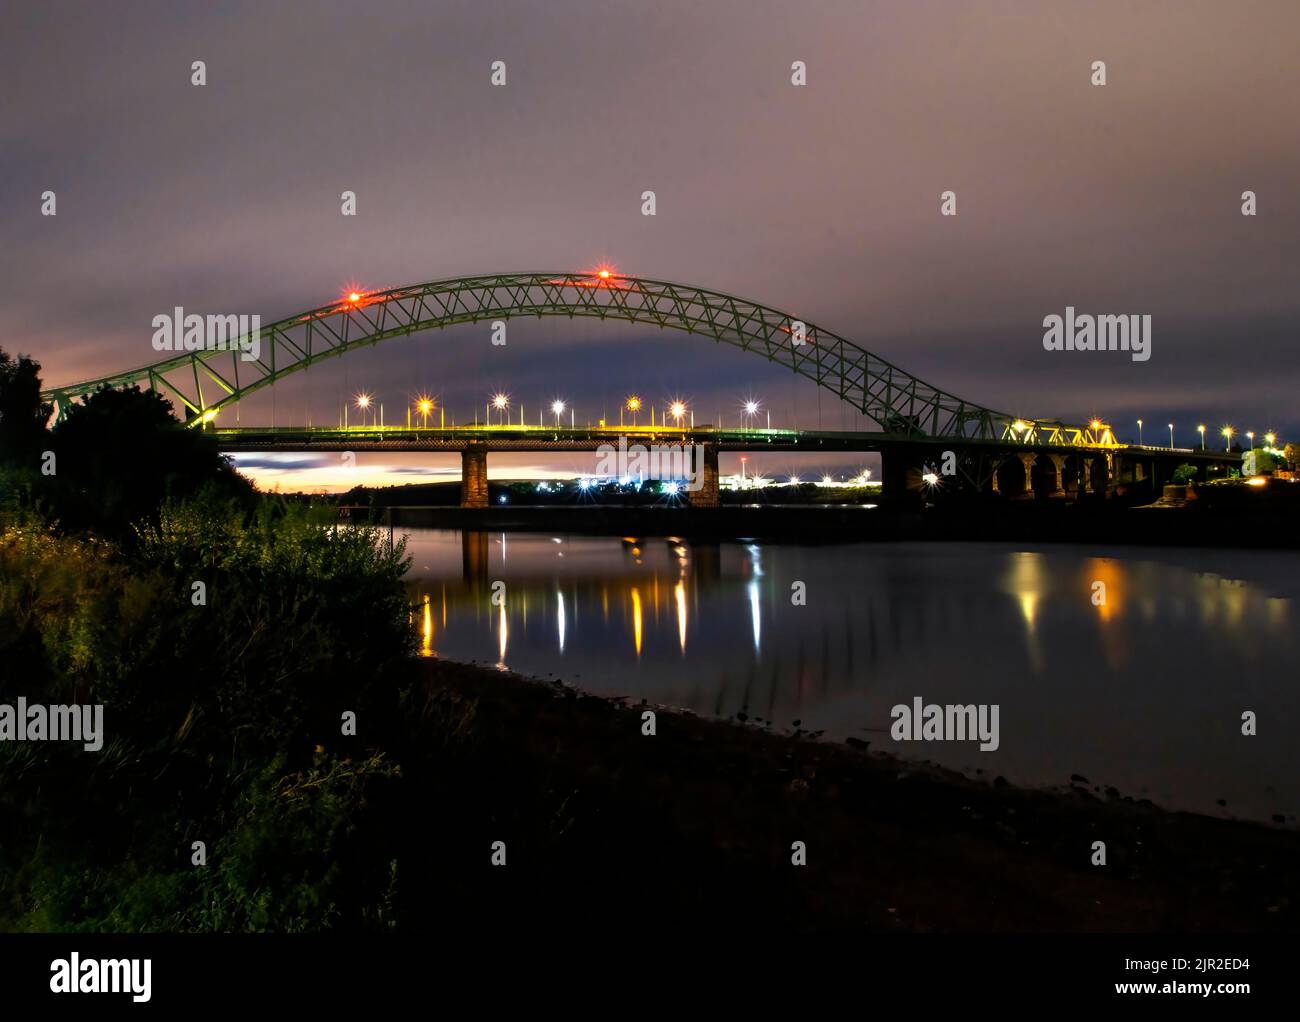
{"points": [[205, 381]]}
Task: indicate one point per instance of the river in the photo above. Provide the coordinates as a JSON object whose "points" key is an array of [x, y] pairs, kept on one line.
{"points": [[1130, 667]]}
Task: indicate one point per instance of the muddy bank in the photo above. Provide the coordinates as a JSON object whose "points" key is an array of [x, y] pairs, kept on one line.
{"points": [[700, 818]]}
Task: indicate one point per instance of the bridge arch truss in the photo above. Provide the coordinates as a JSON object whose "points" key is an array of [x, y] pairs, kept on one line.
{"points": [[205, 381]]}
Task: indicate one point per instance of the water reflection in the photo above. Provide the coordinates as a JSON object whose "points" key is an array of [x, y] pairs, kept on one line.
{"points": [[1140, 690], [559, 617], [679, 599], [636, 618], [426, 629]]}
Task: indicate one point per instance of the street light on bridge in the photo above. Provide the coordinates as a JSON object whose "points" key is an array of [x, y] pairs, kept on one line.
{"points": [[1139, 432], [1201, 430], [557, 406], [1171, 436], [1270, 439], [424, 405], [633, 405], [1251, 437], [1227, 433], [363, 403], [677, 409], [501, 402]]}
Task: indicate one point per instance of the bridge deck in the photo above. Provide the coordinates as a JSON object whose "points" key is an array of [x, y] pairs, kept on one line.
{"points": [[591, 438]]}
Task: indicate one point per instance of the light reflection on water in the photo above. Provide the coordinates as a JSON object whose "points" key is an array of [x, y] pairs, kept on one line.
{"points": [[1143, 690]]}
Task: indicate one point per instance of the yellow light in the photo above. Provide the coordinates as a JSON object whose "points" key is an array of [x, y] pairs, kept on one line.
{"points": [[1256, 481], [1227, 431], [1270, 438], [1020, 425], [355, 296], [603, 274], [677, 409], [633, 403], [1095, 424], [425, 406]]}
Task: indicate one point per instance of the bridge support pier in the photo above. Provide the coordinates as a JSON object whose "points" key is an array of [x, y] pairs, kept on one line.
{"points": [[1026, 490], [901, 470], [708, 495], [1057, 488], [473, 477]]}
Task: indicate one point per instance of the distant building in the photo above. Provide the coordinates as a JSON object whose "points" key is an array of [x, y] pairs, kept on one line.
{"points": [[1259, 462]]}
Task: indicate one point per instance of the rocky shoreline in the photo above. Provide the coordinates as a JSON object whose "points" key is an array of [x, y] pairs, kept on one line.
{"points": [[703, 816]]}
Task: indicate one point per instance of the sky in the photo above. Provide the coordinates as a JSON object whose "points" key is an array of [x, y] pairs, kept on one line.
{"points": [[822, 199]]}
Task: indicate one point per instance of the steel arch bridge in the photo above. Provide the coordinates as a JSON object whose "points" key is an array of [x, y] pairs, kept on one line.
{"points": [[205, 381]]}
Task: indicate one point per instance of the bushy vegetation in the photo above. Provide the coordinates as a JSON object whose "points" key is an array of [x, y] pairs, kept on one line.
{"points": [[214, 714], [225, 635]]}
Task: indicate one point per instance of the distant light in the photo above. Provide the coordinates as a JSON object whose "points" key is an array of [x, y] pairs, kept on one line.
{"points": [[425, 406], [794, 480], [827, 480], [355, 296], [1095, 424], [670, 488], [1270, 438], [1256, 481], [584, 484], [501, 499], [751, 407], [633, 403], [677, 409], [557, 407], [603, 274], [930, 479], [363, 400], [1020, 425], [500, 401]]}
